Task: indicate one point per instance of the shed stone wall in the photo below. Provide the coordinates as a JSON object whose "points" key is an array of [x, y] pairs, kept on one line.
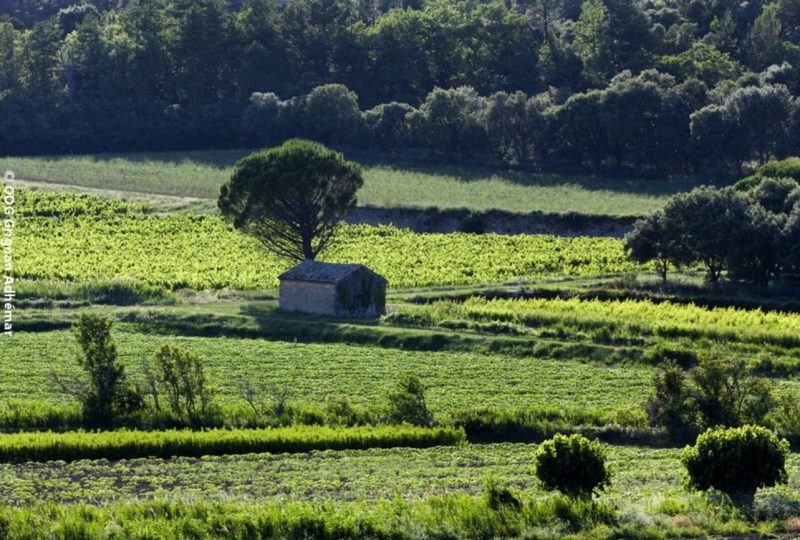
{"points": [[361, 294], [308, 297]]}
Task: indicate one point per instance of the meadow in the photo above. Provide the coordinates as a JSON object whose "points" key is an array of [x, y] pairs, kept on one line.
{"points": [[365, 374], [387, 184], [643, 476]]}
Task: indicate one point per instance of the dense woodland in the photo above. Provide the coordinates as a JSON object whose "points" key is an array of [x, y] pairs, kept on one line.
{"points": [[666, 86]]}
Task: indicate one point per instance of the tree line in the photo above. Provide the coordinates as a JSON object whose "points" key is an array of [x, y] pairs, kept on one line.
{"points": [[753, 234], [650, 123], [671, 86]]}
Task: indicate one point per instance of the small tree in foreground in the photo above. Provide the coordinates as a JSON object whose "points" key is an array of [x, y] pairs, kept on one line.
{"points": [[667, 405], [407, 403], [292, 197], [717, 392], [105, 394], [178, 376], [736, 461], [573, 465]]}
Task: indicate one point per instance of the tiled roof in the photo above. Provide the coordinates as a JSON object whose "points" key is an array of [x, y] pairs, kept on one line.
{"points": [[309, 270]]}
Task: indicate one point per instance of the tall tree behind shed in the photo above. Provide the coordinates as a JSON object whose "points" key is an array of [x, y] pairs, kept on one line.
{"points": [[291, 197]]}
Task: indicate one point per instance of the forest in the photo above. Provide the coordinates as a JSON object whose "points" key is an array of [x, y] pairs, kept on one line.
{"points": [[619, 86]]}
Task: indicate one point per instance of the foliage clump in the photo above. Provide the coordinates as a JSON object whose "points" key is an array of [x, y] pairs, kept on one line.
{"points": [[105, 394], [178, 375], [753, 235], [716, 392], [407, 403], [573, 465], [736, 461], [291, 197]]}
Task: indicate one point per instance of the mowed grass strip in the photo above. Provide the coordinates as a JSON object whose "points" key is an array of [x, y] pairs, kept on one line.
{"points": [[386, 184], [126, 444]]}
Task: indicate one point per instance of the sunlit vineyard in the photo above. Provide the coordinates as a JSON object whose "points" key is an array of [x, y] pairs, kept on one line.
{"points": [[202, 252], [641, 317], [121, 444], [34, 203]]}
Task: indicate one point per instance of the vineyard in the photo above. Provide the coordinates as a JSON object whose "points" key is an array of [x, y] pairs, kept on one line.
{"points": [[628, 317], [123, 444], [438, 487], [202, 252], [323, 476]]}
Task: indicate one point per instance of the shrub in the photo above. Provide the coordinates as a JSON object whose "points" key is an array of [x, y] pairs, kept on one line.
{"points": [[499, 496], [340, 411], [786, 416], [572, 464], [667, 405], [178, 375], [736, 461], [407, 403], [659, 354], [718, 392], [782, 168], [105, 394], [725, 393]]}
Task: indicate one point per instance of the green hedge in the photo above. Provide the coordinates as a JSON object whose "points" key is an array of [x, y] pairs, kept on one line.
{"points": [[164, 444]]}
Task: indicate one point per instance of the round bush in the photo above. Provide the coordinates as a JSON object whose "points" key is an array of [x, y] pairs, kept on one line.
{"points": [[573, 465], [736, 461]]}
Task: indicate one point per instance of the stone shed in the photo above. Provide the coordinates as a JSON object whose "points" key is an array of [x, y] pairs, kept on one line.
{"points": [[339, 290]]}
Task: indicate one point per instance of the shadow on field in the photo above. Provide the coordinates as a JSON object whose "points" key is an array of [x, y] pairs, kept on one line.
{"points": [[421, 164], [221, 159], [475, 172]]}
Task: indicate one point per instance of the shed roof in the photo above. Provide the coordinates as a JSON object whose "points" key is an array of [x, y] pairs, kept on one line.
{"points": [[309, 270]]}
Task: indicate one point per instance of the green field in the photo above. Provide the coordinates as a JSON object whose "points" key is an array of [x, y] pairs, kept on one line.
{"points": [[627, 317], [386, 185], [202, 252], [643, 476], [646, 499], [568, 361], [313, 372]]}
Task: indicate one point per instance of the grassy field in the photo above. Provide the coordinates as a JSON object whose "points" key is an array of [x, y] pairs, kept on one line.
{"points": [[643, 477], [313, 372], [646, 499], [386, 184]]}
